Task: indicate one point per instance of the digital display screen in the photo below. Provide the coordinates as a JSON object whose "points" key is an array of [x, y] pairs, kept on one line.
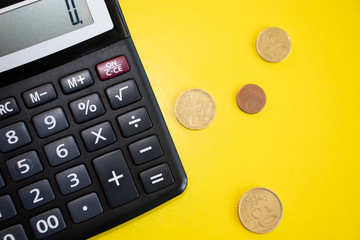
{"points": [[31, 29]]}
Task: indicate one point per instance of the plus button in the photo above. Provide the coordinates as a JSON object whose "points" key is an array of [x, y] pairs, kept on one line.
{"points": [[116, 178]]}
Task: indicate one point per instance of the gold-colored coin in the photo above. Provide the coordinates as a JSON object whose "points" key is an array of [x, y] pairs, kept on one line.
{"points": [[273, 45], [195, 109], [260, 210]]}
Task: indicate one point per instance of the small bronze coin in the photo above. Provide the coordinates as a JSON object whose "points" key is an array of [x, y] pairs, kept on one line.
{"points": [[251, 98], [273, 45], [260, 210], [195, 109]]}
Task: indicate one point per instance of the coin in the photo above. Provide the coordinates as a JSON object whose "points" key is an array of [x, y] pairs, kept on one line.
{"points": [[251, 98], [260, 210], [195, 109], [273, 45]]}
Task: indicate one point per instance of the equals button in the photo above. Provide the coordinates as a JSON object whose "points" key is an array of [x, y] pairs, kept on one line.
{"points": [[157, 178]]}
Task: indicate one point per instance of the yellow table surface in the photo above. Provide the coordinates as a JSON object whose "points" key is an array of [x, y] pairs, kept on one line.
{"points": [[304, 145]]}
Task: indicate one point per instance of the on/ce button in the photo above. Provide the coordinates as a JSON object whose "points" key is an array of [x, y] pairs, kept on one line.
{"points": [[112, 68], [8, 108]]}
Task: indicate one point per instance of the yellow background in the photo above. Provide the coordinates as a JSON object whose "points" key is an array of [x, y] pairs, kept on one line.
{"points": [[304, 145]]}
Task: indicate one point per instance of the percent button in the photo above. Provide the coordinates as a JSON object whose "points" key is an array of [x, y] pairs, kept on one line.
{"points": [[87, 108]]}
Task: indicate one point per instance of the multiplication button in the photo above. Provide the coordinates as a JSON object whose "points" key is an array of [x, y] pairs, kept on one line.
{"points": [[115, 179], [98, 137]]}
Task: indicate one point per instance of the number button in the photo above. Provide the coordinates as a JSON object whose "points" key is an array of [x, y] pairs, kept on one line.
{"points": [[13, 137], [123, 94], [73, 179], [36, 194], [47, 223], [84, 208], [24, 166], [87, 108], [7, 208], [16, 232], [61, 151], [50, 122], [98, 137]]}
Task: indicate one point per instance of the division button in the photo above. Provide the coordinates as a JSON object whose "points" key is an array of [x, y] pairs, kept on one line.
{"points": [[16, 232], [115, 179], [156, 178], [134, 122], [145, 150], [85, 208]]}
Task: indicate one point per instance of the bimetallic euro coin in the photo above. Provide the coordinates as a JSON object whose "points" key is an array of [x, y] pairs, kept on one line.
{"points": [[273, 45], [195, 109], [260, 210], [251, 99]]}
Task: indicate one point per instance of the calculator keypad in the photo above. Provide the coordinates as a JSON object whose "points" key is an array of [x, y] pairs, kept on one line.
{"points": [[84, 152]]}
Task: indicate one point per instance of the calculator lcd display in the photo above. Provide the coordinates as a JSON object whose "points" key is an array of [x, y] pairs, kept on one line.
{"points": [[32, 29]]}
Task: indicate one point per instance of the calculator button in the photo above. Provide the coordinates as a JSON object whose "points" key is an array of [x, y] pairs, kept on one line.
{"points": [[87, 108], [39, 96], [146, 150], [16, 232], [112, 68], [50, 122], [157, 178], [47, 223], [13, 137], [36, 194], [76, 81], [73, 179], [115, 178], [85, 208], [2, 182], [24, 166], [61, 151], [134, 122], [98, 137], [8, 108], [123, 94], [7, 208]]}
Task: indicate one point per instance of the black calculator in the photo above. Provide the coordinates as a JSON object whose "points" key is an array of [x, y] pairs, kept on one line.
{"points": [[83, 144]]}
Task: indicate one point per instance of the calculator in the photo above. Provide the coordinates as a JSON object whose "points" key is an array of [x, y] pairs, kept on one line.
{"points": [[83, 144]]}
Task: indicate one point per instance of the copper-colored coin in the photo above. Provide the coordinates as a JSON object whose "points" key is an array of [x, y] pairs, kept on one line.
{"points": [[251, 98], [273, 45], [195, 109], [260, 210]]}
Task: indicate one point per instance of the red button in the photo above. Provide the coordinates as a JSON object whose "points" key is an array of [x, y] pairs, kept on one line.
{"points": [[112, 68]]}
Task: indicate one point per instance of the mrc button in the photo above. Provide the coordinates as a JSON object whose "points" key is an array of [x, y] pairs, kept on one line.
{"points": [[112, 68], [8, 108]]}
